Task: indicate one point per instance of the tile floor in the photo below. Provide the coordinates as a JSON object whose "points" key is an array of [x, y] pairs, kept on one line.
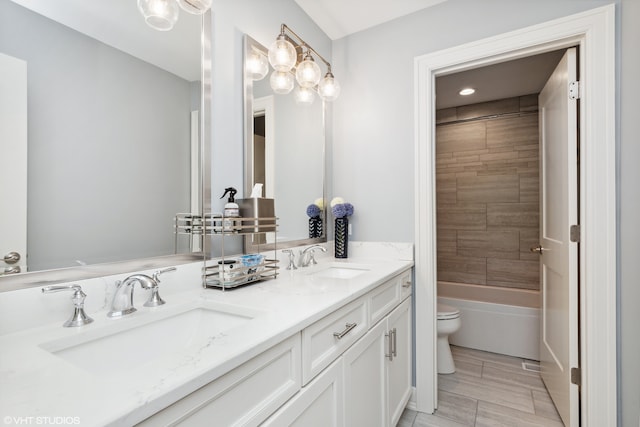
{"points": [[487, 389]]}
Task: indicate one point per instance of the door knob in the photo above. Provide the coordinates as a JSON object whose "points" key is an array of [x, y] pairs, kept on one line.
{"points": [[537, 249], [12, 270], [12, 257]]}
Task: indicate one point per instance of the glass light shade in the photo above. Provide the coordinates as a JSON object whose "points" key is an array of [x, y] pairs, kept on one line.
{"points": [[257, 65], [328, 88], [282, 54], [281, 82], [305, 96], [308, 72], [195, 7], [159, 14]]}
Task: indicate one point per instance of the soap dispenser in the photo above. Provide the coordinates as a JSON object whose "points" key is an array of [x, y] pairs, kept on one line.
{"points": [[231, 210]]}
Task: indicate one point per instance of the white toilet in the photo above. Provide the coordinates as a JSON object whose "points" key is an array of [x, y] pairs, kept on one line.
{"points": [[448, 323]]}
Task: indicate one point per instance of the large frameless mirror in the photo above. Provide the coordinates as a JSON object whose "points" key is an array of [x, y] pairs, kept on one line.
{"points": [[111, 140]]}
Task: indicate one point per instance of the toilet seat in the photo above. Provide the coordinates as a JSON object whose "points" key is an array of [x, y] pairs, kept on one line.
{"points": [[446, 312]]}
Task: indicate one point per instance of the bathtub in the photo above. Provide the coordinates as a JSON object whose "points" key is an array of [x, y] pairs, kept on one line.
{"points": [[499, 320]]}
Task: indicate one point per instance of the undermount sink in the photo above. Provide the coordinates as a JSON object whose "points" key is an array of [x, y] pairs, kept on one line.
{"points": [[123, 347], [340, 272]]}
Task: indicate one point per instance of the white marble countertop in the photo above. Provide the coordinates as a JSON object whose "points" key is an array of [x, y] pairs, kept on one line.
{"points": [[37, 383]]}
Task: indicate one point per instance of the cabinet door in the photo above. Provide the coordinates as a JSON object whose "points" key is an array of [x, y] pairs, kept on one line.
{"points": [[399, 368], [319, 404], [365, 380]]}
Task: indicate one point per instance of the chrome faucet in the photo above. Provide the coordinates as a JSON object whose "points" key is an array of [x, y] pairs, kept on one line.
{"points": [[307, 256], [122, 303], [78, 318]]}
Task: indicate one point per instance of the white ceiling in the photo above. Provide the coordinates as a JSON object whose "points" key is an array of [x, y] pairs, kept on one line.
{"points": [[339, 18], [118, 23]]}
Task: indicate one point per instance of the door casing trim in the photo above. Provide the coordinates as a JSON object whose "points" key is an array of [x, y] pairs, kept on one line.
{"points": [[594, 32]]}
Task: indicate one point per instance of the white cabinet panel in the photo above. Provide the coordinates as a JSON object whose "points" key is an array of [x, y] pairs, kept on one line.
{"points": [[329, 337], [383, 299], [245, 396], [399, 368], [319, 404], [365, 380]]}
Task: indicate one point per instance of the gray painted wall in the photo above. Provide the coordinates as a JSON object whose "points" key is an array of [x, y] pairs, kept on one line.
{"points": [[98, 190], [628, 208], [376, 71]]}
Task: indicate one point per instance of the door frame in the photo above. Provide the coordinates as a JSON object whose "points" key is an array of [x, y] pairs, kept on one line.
{"points": [[594, 32]]}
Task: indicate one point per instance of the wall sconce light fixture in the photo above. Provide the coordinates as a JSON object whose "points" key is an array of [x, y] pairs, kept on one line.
{"points": [[162, 15], [290, 58]]}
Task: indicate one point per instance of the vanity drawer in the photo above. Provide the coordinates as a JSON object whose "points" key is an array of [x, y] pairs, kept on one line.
{"points": [[383, 299], [245, 396], [406, 285], [330, 336]]}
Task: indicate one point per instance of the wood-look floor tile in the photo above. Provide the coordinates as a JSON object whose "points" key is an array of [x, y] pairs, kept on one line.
{"points": [[457, 408], [485, 356], [518, 377], [544, 405], [515, 397], [428, 420], [495, 415], [407, 418]]}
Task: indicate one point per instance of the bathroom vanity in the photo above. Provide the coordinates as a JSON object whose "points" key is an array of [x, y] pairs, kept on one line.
{"points": [[324, 345]]}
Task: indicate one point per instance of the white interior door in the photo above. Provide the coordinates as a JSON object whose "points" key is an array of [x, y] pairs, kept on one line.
{"points": [[558, 211], [13, 164]]}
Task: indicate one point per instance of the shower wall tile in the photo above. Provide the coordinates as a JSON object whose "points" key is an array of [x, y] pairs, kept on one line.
{"points": [[462, 216], [512, 216], [501, 106], [489, 189], [487, 185], [462, 137], [462, 269], [513, 273], [489, 244]]}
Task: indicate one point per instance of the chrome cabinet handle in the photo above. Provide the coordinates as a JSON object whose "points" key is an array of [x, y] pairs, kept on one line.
{"points": [[389, 336], [347, 329], [407, 284], [394, 349], [12, 257], [537, 249]]}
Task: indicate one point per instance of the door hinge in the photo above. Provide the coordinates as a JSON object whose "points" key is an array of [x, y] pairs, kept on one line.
{"points": [[574, 233], [574, 90], [575, 376]]}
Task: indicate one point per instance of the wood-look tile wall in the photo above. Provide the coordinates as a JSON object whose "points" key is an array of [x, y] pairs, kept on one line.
{"points": [[487, 193]]}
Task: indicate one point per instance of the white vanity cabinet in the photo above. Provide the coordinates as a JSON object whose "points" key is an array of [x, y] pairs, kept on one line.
{"points": [[245, 396], [377, 372]]}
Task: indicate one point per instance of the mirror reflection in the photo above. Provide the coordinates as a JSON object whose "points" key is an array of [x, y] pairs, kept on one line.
{"points": [[284, 150], [111, 122]]}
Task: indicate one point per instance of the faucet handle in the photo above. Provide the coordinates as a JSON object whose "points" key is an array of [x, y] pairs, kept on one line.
{"points": [[79, 317], [155, 300], [292, 259], [156, 275]]}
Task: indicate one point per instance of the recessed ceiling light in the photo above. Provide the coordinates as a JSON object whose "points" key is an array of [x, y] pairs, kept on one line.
{"points": [[467, 91]]}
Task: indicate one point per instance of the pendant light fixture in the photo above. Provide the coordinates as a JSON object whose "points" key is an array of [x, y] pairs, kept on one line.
{"points": [[287, 59], [162, 15], [159, 14]]}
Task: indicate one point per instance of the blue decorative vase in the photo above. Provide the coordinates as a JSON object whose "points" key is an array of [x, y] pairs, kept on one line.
{"points": [[341, 237]]}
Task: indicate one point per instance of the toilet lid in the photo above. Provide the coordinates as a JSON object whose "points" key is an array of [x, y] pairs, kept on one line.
{"points": [[447, 312]]}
